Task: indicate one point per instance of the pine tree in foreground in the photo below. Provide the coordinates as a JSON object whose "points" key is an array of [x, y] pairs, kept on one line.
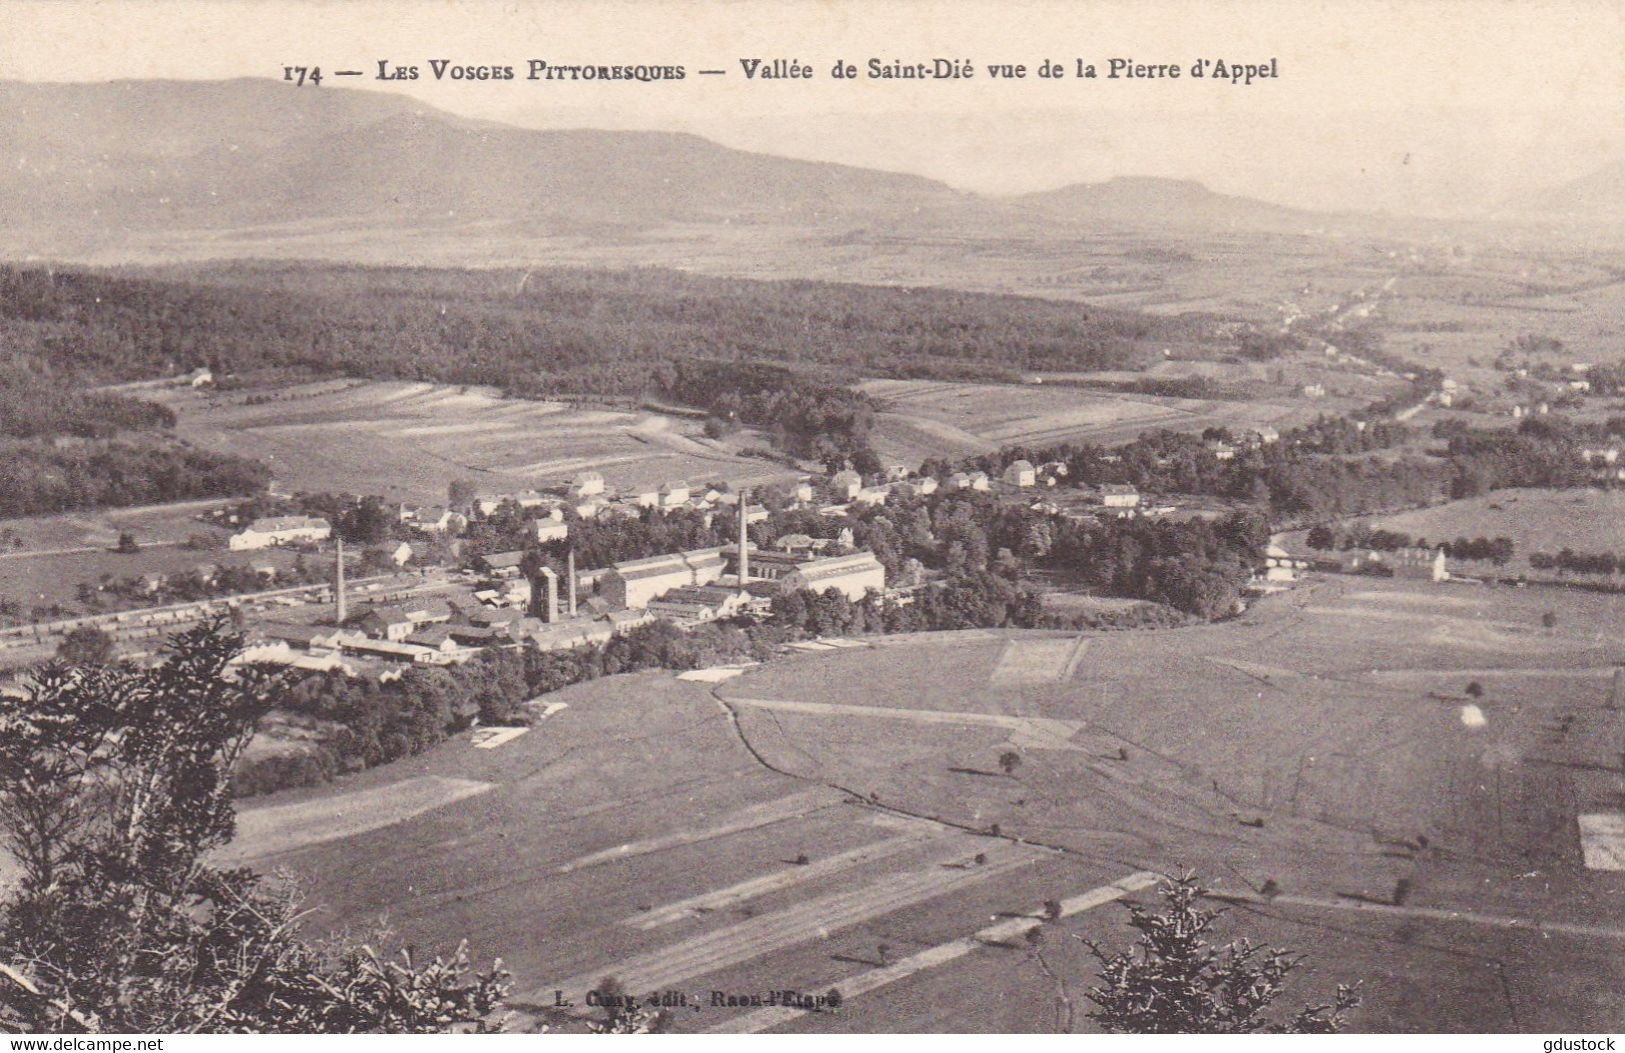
{"points": [[114, 789], [1174, 981]]}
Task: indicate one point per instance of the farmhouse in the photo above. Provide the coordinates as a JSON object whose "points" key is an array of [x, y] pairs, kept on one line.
{"points": [[436, 520], [532, 499], [673, 494], [550, 530], [587, 484], [634, 583], [1020, 473], [279, 530], [844, 485], [871, 496], [1119, 495]]}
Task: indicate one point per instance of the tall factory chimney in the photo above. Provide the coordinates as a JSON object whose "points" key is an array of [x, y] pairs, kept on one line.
{"points": [[744, 538], [341, 610], [570, 568]]}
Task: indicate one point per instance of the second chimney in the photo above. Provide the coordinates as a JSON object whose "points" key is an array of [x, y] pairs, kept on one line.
{"points": [[744, 538]]}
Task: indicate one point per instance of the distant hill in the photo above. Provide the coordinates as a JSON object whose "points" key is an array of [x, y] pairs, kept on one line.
{"points": [[1599, 195], [227, 154], [1145, 202], [153, 171]]}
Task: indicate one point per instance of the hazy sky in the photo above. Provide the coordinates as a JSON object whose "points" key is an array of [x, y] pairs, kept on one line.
{"points": [[1406, 105]]}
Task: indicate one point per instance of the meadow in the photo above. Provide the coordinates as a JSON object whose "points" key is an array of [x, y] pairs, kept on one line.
{"points": [[930, 418]]}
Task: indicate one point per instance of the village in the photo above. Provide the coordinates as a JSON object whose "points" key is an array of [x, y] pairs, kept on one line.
{"points": [[423, 596]]}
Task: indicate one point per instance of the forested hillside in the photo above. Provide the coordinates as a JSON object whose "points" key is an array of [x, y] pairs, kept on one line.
{"points": [[553, 332]]}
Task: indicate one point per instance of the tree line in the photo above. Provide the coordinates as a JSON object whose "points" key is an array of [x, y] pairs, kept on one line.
{"points": [[44, 477]]}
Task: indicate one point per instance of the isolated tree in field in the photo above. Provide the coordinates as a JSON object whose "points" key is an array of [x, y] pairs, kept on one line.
{"points": [[1174, 981], [126, 543], [1549, 619], [1475, 690], [86, 645], [114, 787], [1009, 761]]}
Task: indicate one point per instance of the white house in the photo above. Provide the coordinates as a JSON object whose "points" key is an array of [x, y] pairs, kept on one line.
{"points": [[673, 494], [871, 495], [550, 530], [587, 484], [844, 485], [436, 520], [1020, 473], [1119, 495]]}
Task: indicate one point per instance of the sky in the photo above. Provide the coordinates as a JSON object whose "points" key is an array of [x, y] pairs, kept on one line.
{"points": [[1416, 106]]}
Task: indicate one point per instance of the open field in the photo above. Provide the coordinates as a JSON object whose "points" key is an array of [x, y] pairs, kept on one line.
{"points": [[407, 441], [776, 829], [51, 577], [927, 418], [1535, 520]]}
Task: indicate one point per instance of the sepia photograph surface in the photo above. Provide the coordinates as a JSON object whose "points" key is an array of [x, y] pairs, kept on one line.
{"points": [[777, 516]]}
